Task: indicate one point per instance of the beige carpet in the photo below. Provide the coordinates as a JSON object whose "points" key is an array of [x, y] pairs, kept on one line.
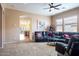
{"points": [[28, 49]]}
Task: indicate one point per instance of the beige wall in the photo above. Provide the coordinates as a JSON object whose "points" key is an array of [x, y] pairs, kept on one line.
{"points": [[12, 23], [66, 14], [0, 26]]}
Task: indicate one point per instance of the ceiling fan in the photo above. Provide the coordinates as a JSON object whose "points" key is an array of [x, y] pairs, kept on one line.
{"points": [[51, 5]]}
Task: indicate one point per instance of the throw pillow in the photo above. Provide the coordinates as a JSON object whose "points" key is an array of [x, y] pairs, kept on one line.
{"points": [[39, 34], [66, 36]]}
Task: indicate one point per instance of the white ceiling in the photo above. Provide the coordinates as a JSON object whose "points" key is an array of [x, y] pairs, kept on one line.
{"points": [[38, 8]]}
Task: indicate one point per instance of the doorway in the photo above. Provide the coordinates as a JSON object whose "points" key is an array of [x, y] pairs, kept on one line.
{"points": [[25, 29]]}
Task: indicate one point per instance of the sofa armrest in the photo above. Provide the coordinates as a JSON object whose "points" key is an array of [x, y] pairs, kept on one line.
{"points": [[61, 47]]}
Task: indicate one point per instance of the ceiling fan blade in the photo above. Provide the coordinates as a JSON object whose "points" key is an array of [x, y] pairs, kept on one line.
{"points": [[56, 8], [49, 4], [58, 5]]}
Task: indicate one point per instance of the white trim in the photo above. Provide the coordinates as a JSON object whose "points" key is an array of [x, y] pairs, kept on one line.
{"points": [[2, 26], [3, 29], [12, 42]]}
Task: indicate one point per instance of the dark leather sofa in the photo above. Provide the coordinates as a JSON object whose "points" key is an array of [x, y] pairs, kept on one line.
{"points": [[70, 49], [64, 46], [43, 36]]}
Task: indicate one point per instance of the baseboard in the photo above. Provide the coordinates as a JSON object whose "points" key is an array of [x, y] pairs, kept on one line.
{"points": [[11, 42], [15, 42]]}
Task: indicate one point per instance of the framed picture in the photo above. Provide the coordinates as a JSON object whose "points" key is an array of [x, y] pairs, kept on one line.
{"points": [[41, 25]]}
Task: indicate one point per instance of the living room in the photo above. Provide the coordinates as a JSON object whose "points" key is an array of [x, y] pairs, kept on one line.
{"points": [[28, 24]]}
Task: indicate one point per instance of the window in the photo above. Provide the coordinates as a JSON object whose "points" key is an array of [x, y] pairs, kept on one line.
{"points": [[70, 24], [59, 25]]}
